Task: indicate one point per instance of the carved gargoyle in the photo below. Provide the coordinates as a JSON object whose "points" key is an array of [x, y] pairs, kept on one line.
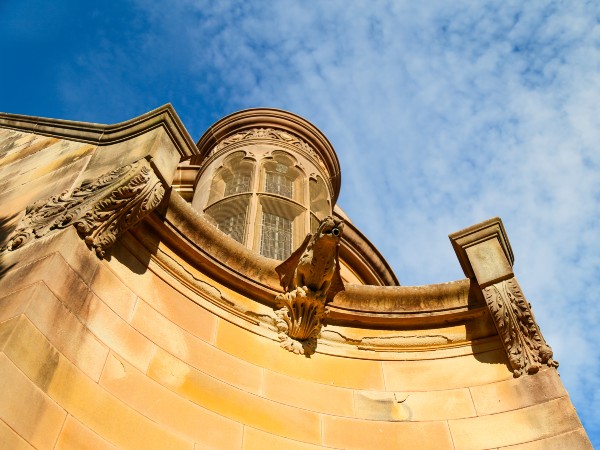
{"points": [[310, 278]]}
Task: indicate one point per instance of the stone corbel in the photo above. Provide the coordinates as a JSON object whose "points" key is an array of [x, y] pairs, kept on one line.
{"points": [[101, 209], [485, 255]]}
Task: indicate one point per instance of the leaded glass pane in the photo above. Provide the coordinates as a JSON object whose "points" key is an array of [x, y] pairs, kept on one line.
{"points": [[276, 237], [279, 183], [234, 226], [238, 183]]}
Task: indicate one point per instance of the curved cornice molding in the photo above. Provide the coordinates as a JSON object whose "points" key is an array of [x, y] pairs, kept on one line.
{"points": [[268, 118], [93, 133], [196, 241]]}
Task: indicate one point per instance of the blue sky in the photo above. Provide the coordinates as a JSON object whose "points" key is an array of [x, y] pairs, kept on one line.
{"points": [[443, 114]]}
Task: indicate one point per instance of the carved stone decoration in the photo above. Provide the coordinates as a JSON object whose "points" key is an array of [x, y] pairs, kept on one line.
{"points": [[524, 344], [270, 134], [310, 278], [100, 209]]}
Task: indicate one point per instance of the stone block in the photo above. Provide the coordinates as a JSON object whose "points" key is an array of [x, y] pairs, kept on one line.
{"points": [[489, 262], [484, 252], [113, 292], [567, 441], [76, 436], [161, 294], [18, 198], [514, 427], [446, 373], [66, 332], [319, 368], [414, 406], [67, 243], [259, 440], [24, 147], [340, 432], [307, 394], [16, 303], [231, 402], [169, 409], [10, 440], [26, 409], [194, 351], [54, 271], [117, 334], [59, 158], [80, 396], [517, 392]]}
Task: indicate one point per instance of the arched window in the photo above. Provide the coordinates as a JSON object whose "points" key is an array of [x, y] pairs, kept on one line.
{"points": [[233, 177], [277, 181], [281, 177]]}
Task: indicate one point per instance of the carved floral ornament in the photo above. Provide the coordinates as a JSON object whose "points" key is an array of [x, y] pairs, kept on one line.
{"points": [[101, 209], [524, 344], [269, 134], [310, 278]]}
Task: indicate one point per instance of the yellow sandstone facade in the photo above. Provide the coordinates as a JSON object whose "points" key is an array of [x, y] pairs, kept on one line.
{"points": [[140, 296]]}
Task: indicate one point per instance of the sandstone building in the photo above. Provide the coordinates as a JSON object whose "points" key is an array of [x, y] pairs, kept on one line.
{"points": [[152, 296]]}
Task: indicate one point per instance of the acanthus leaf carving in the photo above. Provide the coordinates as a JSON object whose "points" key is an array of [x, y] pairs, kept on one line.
{"points": [[310, 277], [100, 209], [522, 339]]}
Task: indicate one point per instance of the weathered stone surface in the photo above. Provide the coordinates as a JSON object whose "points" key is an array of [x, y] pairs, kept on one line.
{"points": [[80, 396], [414, 406], [320, 368], [340, 432], [27, 410], [76, 436], [169, 409], [234, 403], [10, 439], [517, 393], [512, 427]]}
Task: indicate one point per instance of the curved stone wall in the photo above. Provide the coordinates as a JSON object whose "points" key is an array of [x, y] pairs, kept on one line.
{"points": [[168, 341]]}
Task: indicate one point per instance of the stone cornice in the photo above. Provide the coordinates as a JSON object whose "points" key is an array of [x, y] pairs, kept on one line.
{"points": [[164, 116], [300, 131], [199, 243]]}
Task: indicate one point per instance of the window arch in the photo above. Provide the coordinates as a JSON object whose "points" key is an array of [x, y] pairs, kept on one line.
{"points": [[233, 177], [281, 176]]}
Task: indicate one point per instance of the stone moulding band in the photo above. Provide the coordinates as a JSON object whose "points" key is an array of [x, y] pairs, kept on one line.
{"points": [[101, 209]]}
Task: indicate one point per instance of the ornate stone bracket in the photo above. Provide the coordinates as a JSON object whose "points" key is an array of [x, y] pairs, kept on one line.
{"points": [[101, 209], [485, 255], [525, 346], [310, 277]]}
